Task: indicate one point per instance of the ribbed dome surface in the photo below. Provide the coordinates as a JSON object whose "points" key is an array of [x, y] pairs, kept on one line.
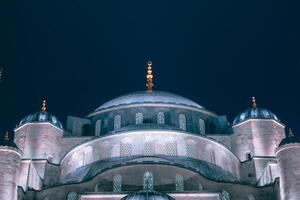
{"points": [[147, 195], [149, 97], [41, 117], [255, 113]]}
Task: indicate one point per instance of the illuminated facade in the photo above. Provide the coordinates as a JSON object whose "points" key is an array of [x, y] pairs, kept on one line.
{"points": [[151, 145]]}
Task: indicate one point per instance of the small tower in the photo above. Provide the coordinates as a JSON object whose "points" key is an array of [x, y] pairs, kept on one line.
{"points": [[288, 154], [10, 159], [38, 136]]}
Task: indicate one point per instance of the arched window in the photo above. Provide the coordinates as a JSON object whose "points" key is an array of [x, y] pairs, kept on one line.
{"points": [[117, 122], [117, 183], [139, 118], [98, 128], [72, 196], [86, 130], [171, 148], [225, 195], [126, 148], [191, 149], [148, 181], [201, 126], [149, 148], [179, 183], [182, 122], [160, 118]]}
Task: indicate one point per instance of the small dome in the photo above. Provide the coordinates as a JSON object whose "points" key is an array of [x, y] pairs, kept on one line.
{"points": [[255, 113], [147, 195], [6, 141], [289, 139], [149, 97], [41, 117]]}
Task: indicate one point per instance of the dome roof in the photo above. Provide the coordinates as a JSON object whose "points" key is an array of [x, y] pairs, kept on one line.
{"points": [[41, 117], [289, 139], [147, 195], [149, 97], [255, 113], [6, 141]]}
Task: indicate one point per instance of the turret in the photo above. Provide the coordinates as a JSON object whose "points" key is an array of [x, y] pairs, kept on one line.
{"points": [[288, 154], [10, 158], [38, 136]]}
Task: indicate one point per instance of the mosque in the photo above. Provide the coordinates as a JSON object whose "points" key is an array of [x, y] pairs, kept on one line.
{"points": [[151, 145]]}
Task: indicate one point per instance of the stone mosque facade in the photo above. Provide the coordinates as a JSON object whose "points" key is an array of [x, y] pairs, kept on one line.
{"points": [[151, 145]]}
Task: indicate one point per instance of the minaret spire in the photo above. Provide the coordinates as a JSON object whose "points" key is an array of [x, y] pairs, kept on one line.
{"points": [[253, 102], [43, 108], [290, 134], [149, 76]]}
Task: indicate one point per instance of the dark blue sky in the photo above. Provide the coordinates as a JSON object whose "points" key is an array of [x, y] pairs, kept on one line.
{"points": [[80, 54]]}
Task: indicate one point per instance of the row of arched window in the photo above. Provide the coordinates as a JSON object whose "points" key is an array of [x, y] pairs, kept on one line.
{"points": [[148, 182], [139, 118]]}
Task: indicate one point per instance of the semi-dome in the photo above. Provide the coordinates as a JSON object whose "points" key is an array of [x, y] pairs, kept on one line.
{"points": [[254, 113], [147, 195], [289, 139], [141, 97], [41, 116]]}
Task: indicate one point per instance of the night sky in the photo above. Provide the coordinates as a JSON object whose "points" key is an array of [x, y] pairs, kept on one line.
{"points": [[79, 54]]}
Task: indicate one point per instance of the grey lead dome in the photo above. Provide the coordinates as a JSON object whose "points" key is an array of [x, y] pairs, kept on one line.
{"points": [[255, 113], [149, 97], [41, 117]]}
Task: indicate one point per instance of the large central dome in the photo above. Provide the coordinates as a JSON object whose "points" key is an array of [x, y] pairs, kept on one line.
{"points": [[149, 97]]}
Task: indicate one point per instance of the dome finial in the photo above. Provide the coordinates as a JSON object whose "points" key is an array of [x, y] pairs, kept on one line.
{"points": [[254, 102], [149, 76], [43, 108], [6, 136], [290, 134]]}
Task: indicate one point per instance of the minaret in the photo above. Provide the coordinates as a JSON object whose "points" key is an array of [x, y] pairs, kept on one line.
{"points": [[288, 154], [149, 77], [10, 158]]}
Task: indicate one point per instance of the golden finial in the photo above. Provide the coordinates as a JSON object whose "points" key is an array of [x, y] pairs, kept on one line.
{"points": [[149, 76], [290, 134], [6, 136], [43, 108], [254, 102]]}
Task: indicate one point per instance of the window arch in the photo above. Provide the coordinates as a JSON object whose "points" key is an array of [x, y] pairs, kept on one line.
{"points": [[160, 118], [98, 128], [86, 130], [171, 147], [126, 148], [139, 118], [201, 126], [179, 183], [72, 196], [148, 181], [182, 122], [117, 183], [225, 195], [117, 122], [149, 148]]}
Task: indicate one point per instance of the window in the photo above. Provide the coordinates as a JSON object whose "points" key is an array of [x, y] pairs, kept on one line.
{"points": [[72, 196], [225, 195], [179, 183], [191, 149], [139, 118], [98, 128], [182, 122], [117, 183], [149, 148], [171, 148], [248, 156], [148, 181], [161, 118], [117, 122], [126, 148], [86, 130], [201, 126]]}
